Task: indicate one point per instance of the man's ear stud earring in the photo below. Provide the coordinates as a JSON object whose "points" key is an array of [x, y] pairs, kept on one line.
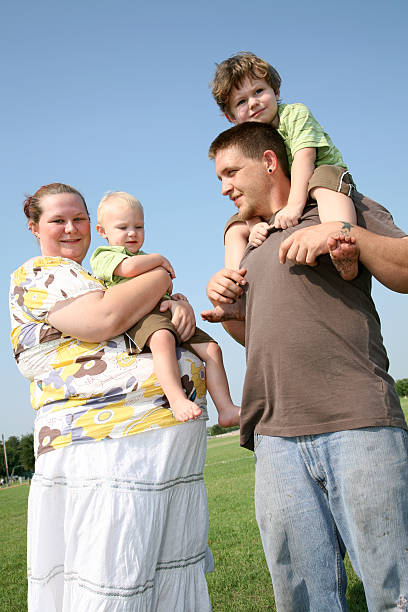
{"points": [[270, 170]]}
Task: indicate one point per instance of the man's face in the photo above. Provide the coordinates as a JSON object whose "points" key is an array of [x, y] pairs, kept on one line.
{"points": [[245, 181]]}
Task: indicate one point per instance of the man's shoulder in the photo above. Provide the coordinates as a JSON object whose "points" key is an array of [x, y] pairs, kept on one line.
{"points": [[374, 217]]}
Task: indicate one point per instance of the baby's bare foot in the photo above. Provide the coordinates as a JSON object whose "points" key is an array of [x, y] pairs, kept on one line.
{"points": [[230, 416], [344, 254], [226, 312], [184, 410]]}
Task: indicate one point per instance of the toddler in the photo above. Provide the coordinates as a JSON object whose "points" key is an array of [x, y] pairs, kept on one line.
{"points": [[120, 219], [247, 88]]}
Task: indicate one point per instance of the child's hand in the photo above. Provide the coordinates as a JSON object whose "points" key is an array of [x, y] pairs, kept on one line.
{"points": [[288, 216], [167, 266], [258, 234]]}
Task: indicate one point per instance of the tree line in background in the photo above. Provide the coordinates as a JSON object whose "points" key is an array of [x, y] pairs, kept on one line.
{"points": [[20, 451], [216, 430], [402, 387], [20, 456]]}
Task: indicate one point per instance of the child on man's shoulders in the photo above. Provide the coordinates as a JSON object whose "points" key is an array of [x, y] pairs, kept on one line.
{"points": [[247, 88]]}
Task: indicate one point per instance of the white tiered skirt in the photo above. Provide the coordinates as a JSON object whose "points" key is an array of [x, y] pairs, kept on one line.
{"points": [[121, 525]]}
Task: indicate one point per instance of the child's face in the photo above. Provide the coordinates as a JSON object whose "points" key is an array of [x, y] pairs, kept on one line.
{"points": [[122, 226], [253, 100]]}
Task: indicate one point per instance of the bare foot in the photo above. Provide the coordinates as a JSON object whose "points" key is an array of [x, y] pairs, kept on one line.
{"points": [[229, 417], [184, 410], [226, 312], [344, 254]]}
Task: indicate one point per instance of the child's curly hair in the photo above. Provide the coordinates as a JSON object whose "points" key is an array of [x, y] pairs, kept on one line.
{"points": [[232, 71]]}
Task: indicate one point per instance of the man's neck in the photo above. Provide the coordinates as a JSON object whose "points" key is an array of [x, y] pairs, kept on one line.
{"points": [[279, 195]]}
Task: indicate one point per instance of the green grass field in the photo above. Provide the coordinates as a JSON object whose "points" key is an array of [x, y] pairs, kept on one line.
{"points": [[240, 582], [13, 519]]}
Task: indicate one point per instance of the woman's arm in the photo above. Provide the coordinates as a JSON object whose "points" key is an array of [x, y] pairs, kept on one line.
{"points": [[100, 315]]}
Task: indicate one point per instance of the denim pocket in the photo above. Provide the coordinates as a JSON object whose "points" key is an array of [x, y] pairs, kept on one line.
{"points": [[257, 440], [404, 434]]}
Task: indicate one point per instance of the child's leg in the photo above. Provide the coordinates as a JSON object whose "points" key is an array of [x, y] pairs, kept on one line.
{"points": [[336, 206], [333, 205], [343, 252], [163, 347], [216, 379]]}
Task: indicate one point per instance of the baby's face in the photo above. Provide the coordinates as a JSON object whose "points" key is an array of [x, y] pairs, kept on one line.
{"points": [[253, 100], [123, 226]]}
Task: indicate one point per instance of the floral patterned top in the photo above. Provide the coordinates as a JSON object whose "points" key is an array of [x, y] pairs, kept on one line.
{"points": [[84, 391]]}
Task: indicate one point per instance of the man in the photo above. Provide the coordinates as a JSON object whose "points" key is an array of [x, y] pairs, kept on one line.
{"points": [[319, 407]]}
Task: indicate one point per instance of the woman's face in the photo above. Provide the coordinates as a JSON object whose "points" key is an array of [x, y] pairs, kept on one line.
{"points": [[63, 229]]}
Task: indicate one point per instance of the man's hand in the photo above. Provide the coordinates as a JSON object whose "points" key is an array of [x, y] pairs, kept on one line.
{"points": [[182, 317], [305, 245], [226, 286]]}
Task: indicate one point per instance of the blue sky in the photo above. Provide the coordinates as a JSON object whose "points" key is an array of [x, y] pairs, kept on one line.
{"points": [[114, 95]]}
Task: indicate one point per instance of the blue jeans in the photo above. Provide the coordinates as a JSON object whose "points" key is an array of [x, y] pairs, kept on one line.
{"points": [[312, 493]]}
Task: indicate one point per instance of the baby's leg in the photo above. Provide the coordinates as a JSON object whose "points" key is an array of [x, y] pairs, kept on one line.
{"points": [[163, 347], [216, 379], [344, 254], [336, 206]]}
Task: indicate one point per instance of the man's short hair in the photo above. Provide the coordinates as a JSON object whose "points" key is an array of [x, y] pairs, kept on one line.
{"points": [[252, 139], [123, 196], [232, 72]]}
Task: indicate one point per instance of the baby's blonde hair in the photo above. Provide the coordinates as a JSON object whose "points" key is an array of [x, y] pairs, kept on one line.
{"points": [[125, 197]]}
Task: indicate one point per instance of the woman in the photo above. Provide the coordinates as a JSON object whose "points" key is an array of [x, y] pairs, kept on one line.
{"points": [[117, 514]]}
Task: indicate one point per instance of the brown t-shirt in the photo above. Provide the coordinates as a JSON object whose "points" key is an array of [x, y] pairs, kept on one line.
{"points": [[315, 356]]}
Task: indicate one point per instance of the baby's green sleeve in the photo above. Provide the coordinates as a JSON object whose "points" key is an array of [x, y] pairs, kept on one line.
{"points": [[105, 260]]}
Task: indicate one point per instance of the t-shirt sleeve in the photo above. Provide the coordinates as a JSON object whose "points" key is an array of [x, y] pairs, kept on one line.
{"points": [[234, 219], [105, 260], [374, 217], [35, 288], [300, 129], [43, 282]]}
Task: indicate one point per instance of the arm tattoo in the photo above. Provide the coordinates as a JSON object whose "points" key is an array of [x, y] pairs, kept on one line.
{"points": [[345, 230]]}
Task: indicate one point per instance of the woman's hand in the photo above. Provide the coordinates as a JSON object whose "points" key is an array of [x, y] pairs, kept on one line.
{"points": [[182, 317]]}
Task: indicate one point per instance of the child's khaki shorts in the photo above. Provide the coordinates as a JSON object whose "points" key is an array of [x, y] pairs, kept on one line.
{"points": [[335, 178], [152, 322]]}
